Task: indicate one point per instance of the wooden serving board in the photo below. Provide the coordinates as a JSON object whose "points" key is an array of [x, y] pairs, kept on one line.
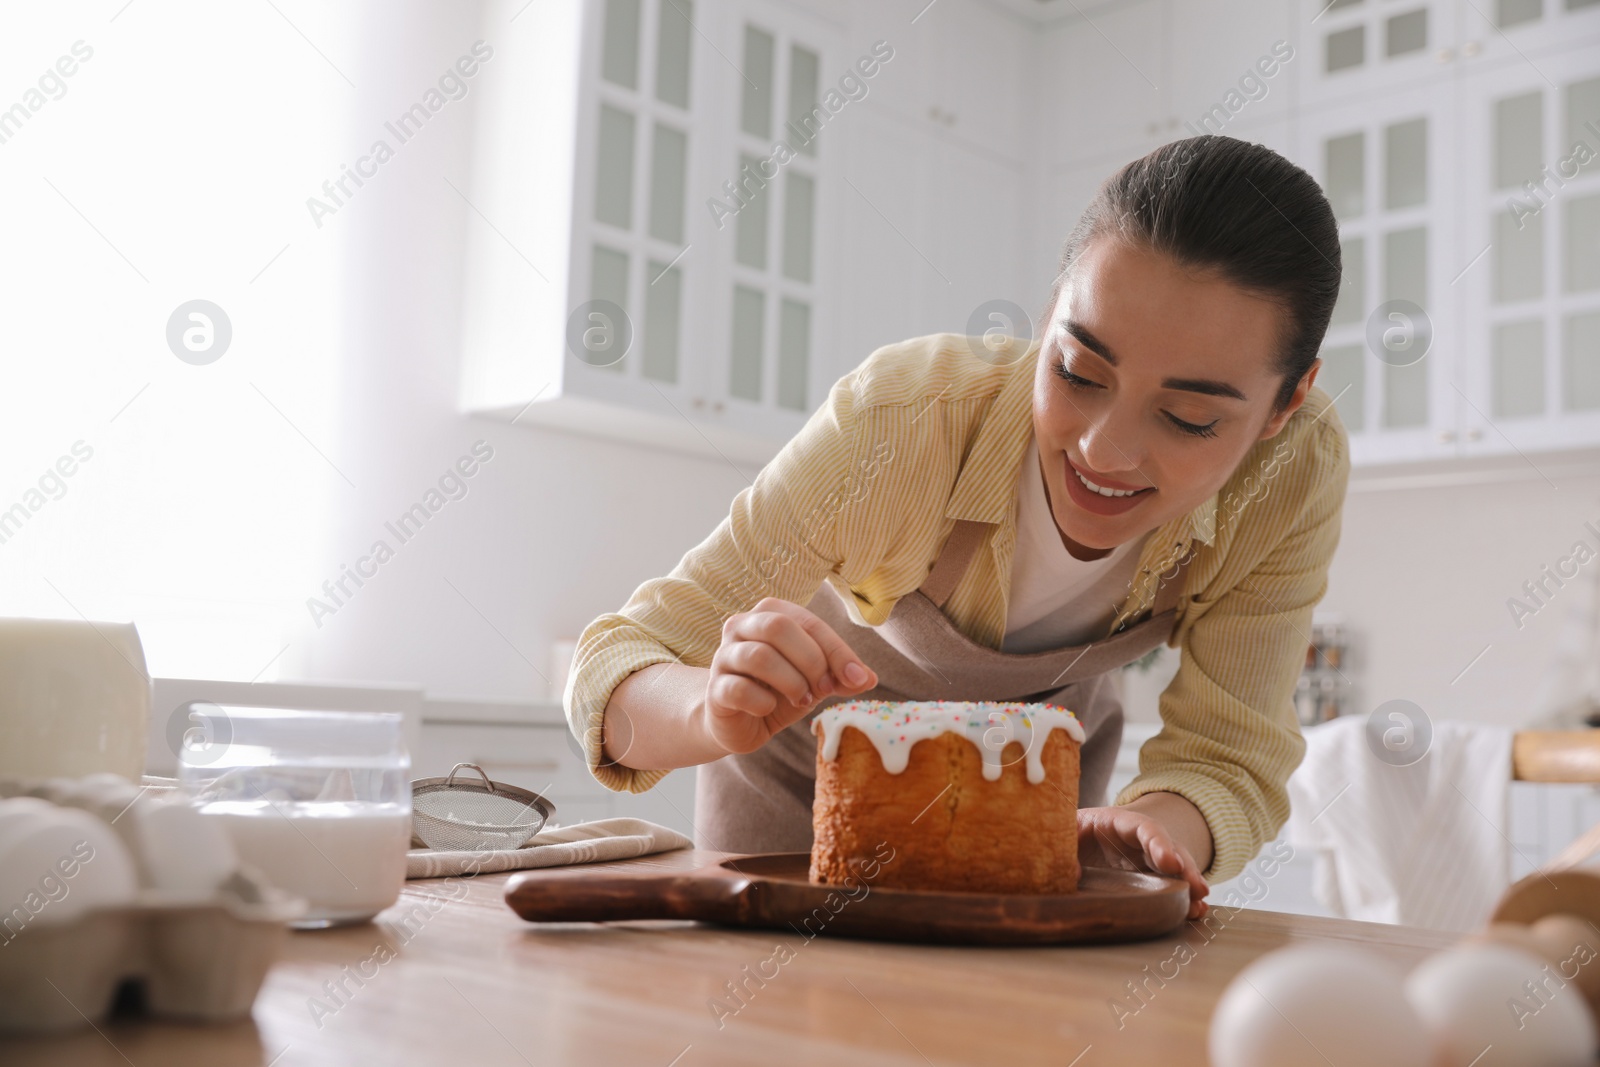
{"points": [[774, 890]]}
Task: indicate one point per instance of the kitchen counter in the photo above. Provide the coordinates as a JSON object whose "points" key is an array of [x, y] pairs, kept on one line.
{"points": [[450, 975]]}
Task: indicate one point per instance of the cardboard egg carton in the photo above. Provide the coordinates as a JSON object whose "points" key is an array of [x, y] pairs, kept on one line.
{"points": [[198, 956], [198, 962]]}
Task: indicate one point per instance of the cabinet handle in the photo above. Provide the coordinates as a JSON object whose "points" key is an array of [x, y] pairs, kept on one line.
{"points": [[1446, 436], [1475, 434], [716, 405], [696, 402], [1445, 55], [1471, 48]]}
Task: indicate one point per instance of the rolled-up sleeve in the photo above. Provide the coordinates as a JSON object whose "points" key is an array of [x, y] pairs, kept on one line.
{"points": [[778, 539], [1230, 737]]}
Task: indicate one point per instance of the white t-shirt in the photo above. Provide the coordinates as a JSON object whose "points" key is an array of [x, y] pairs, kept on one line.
{"points": [[1058, 600]]}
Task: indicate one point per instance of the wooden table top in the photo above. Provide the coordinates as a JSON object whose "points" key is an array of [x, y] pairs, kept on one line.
{"points": [[453, 976]]}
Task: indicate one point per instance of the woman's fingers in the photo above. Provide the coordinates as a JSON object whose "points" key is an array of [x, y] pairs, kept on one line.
{"points": [[773, 665], [1168, 857], [1117, 837], [772, 624], [807, 643], [763, 663], [736, 693], [847, 672]]}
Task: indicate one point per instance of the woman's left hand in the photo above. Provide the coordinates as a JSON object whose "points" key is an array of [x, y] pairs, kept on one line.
{"points": [[1125, 839]]}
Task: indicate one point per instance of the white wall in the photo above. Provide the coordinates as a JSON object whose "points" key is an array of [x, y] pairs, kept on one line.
{"points": [[555, 528], [1424, 575]]}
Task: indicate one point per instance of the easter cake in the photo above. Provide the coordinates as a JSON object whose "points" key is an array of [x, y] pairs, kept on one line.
{"points": [[971, 796]]}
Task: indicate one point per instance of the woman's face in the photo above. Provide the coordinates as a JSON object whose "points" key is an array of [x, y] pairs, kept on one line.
{"points": [[1153, 383]]}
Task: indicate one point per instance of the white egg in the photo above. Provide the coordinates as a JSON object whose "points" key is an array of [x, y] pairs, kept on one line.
{"points": [[1315, 1005], [52, 788], [18, 807], [180, 850], [104, 790], [18, 814], [57, 864], [1492, 1005]]}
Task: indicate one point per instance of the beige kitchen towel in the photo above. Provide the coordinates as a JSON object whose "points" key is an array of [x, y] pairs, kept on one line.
{"points": [[584, 842]]}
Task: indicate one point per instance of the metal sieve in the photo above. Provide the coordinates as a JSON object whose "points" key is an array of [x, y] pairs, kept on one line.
{"points": [[448, 815]]}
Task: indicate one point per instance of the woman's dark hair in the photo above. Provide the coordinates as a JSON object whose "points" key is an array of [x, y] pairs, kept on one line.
{"points": [[1220, 204]]}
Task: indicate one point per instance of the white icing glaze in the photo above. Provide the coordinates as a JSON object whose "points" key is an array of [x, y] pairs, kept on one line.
{"points": [[894, 726]]}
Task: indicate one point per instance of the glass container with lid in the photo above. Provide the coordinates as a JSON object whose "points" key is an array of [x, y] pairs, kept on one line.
{"points": [[318, 801]]}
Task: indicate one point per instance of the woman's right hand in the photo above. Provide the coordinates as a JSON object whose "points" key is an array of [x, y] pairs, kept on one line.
{"points": [[776, 661]]}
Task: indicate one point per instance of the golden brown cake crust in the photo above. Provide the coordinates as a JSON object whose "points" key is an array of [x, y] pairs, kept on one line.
{"points": [[950, 828]]}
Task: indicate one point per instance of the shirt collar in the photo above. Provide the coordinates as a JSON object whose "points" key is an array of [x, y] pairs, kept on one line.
{"points": [[1001, 444]]}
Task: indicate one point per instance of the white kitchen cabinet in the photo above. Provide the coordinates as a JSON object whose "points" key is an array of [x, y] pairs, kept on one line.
{"points": [[956, 177], [1099, 93], [643, 313], [1067, 192], [1217, 79], [1514, 361], [1387, 168], [1366, 49], [1520, 30], [973, 224], [979, 92], [1531, 303], [881, 231], [771, 263]]}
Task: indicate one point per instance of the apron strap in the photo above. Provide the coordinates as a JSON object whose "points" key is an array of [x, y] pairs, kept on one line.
{"points": [[958, 550]]}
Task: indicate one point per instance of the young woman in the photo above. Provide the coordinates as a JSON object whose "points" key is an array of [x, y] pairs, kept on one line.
{"points": [[1018, 521]]}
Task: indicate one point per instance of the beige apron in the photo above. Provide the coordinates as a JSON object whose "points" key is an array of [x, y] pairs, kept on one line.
{"points": [[761, 801]]}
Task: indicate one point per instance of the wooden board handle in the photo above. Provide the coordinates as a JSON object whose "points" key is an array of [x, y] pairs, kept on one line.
{"points": [[569, 895]]}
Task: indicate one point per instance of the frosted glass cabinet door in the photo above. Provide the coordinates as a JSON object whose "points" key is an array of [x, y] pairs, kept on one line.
{"points": [[1355, 48], [1516, 30], [770, 309], [1387, 166], [641, 136], [1530, 213]]}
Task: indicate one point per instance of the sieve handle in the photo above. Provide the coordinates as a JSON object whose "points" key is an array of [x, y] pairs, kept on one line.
{"points": [[562, 894]]}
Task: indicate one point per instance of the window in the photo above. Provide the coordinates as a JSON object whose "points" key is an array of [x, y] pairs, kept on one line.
{"points": [[202, 502]]}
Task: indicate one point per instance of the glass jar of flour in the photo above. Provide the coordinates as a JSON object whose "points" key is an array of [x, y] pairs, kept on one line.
{"points": [[318, 801]]}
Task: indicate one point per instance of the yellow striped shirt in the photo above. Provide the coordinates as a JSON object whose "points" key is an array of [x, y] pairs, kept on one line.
{"points": [[855, 499]]}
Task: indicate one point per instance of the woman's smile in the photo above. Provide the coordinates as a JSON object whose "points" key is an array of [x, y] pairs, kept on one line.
{"points": [[1100, 495]]}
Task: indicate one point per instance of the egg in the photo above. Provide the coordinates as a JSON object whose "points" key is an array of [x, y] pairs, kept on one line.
{"points": [[1313, 1005], [19, 813], [180, 851], [1514, 935], [15, 807], [1495, 1005], [52, 788], [1574, 945], [109, 791], [57, 864]]}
